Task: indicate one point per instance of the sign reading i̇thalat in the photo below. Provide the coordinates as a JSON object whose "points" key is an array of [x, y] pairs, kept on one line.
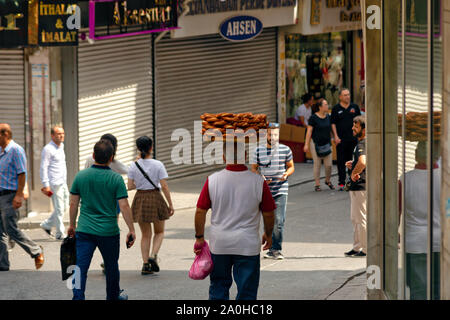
{"points": [[240, 28], [56, 27]]}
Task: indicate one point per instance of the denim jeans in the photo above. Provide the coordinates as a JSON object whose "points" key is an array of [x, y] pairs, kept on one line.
{"points": [[8, 226], [245, 274], [60, 200], [280, 217], [109, 248]]}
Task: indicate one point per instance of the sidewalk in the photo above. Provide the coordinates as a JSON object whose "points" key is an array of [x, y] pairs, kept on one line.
{"points": [[185, 192], [349, 287]]}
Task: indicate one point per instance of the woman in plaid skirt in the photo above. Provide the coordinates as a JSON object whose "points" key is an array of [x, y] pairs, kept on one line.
{"points": [[148, 176]]}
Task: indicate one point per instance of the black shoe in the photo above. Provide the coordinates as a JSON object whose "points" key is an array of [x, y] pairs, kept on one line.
{"points": [[154, 263], [146, 269], [4, 269], [360, 254], [351, 253]]}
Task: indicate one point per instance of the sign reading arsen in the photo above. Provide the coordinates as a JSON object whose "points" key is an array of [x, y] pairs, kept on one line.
{"points": [[240, 28]]}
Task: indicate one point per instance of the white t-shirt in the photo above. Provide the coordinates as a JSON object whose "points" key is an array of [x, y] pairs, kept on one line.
{"points": [[303, 111], [153, 168], [115, 166], [236, 215], [416, 211]]}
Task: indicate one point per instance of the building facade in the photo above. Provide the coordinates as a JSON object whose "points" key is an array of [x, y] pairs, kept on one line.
{"points": [[407, 143]]}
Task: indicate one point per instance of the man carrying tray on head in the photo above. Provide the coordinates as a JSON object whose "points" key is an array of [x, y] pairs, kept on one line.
{"points": [[275, 163]]}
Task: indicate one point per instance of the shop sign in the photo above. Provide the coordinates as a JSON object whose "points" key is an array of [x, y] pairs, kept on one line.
{"points": [[118, 18], [325, 16], [58, 23], [240, 28], [13, 24], [202, 17]]}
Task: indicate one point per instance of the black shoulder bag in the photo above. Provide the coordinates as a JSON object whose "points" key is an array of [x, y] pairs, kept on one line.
{"points": [[145, 175]]}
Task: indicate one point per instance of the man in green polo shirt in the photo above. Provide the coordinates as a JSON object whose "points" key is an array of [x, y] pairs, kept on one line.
{"points": [[99, 189]]}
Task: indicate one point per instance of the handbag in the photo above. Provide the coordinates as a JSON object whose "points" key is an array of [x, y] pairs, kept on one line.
{"points": [[323, 151], [68, 256]]}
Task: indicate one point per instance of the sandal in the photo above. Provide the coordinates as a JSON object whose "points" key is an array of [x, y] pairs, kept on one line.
{"points": [[317, 188], [330, 185]]}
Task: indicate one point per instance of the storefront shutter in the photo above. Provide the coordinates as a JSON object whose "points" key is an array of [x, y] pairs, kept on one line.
{"points": [[115, 94], [210, 74], [416, 92], [12, 99]]}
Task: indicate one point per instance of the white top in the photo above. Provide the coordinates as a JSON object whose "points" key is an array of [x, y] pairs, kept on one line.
{"points": [[416, 212], [153, 168], [115, 166], [303, 111], [235, 218], [53, 169]]}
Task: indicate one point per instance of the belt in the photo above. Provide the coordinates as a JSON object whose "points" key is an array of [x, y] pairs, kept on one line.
{"points": [[6, 192]]}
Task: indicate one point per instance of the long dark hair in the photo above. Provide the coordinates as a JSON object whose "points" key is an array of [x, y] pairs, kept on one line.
{"points": [[144, 145]]}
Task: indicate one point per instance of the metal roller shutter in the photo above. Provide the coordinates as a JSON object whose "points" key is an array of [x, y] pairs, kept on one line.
{"points": [[115, 94], [416, 92], [210, 74], [12, 99]]}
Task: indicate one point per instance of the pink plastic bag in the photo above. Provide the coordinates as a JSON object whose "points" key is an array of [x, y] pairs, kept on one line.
{"points": [[203, 264]]}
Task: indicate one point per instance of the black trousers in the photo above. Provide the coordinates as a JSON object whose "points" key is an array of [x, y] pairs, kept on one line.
{"points": [[344, 152]]}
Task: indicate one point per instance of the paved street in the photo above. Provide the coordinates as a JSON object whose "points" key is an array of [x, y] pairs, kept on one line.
{"points": [[318, 232]]}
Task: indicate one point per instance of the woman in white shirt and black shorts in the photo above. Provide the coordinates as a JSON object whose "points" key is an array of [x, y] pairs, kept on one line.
{"points": [[149, 206]]}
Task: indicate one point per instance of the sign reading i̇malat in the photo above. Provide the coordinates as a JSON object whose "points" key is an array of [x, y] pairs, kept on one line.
{"points": [[58, 23]]}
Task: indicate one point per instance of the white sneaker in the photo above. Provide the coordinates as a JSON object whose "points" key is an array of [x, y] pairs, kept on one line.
{"points": [[278, 255], [60, 236], [269, 255]]}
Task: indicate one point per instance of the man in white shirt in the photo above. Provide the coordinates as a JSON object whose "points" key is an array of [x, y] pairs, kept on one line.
{"points": [[238, 199], [54, 180], [303, 112]]}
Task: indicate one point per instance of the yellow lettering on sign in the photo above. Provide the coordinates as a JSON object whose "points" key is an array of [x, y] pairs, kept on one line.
{"points": [[51, 9]]}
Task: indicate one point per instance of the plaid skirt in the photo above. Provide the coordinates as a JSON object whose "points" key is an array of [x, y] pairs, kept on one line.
{"points": [[149, 206]]}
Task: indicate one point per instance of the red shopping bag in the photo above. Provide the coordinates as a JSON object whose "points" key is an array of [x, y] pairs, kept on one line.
{"points": [[203, 264]]}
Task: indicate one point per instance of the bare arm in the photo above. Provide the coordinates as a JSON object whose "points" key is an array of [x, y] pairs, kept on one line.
{"points": [[269, 220], [200, 220], [131, 184], [19, 198], [290, 169], [166, 191], [336, 137], [73, 213], [360, 166], [308, 139], [126, 213]]}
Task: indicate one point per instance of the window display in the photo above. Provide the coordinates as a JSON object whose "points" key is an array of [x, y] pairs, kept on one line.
{"points": [[315, 65]]}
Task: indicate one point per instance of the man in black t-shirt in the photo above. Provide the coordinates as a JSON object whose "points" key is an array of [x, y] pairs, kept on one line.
{"points": [[358, 194], [342, 117]]}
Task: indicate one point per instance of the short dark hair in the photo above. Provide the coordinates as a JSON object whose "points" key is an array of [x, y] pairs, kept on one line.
{"points": [[103, 151], [144, 144], [306, 97], [233, 156], [361, 120], [344, 89], [53, 129], [112, 139]]}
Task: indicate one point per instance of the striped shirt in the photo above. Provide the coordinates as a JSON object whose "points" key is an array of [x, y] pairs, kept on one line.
{"points": [[13, 162], [272, 165]]}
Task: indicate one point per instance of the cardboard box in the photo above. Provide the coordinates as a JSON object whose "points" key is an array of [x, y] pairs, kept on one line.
{"points": [[285, 132], [333, 148], [298, 134]]}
